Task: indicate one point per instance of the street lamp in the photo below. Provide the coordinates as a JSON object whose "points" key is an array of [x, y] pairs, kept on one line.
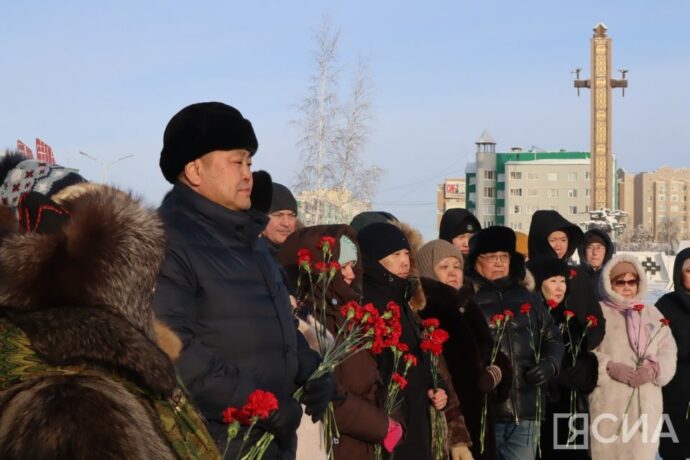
{"points": [[105, 166]]}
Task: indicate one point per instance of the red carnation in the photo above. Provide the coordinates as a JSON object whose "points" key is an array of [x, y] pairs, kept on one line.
{"points": [[439, 336], [333, 266], [509, 314], [260, 404], [410, 359], [573, 273], [551, 304], [497, 318], [304, 258], [320, 267], [592, 321], [430, 323], [233, 414], [403, 347], [399, 380], [638, 307], [525, 308], [326, 243], [664, 321], [569, 314]]}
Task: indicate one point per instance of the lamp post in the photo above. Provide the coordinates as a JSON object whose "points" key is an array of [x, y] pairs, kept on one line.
{"points": [[105, 166]]}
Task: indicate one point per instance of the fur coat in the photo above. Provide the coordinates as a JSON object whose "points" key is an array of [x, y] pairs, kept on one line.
{"points": [[75, 304], [608, 401]]}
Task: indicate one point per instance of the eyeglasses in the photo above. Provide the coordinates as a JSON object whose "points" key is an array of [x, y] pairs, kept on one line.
{"points": [[595, 247], [621, 283], [503, 258], [289, 215]]}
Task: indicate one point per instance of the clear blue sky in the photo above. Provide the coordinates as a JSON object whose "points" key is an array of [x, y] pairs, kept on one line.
{"points": [[105, 78]]}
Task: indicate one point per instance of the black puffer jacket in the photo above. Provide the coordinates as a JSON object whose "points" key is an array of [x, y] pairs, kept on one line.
{"points": [[582, 297], [221, 291], [586, 268], [675, 306], [509, 293]]}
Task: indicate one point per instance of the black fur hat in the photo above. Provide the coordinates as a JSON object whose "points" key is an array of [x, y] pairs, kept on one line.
{"points": [[544, 267], [202, 128]]}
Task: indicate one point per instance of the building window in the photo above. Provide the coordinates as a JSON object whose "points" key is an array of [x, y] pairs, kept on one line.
{"points": [[649, 209], [662, 187], [491, 175], [500, 211], [572, 193], [473, 197], [674, 208], [587, 208], [572, 209], [516, 225], [532, 192], [500, 194], [586, 192], [516, 209], [489, 209], [661, 207], [517, 175], [489, 192], [587, 173], [662, 197], [488, 223], [501, 177], [552, 177], [532, 176], [674, 197], [553, 193], [473, 180], [515, 192], [572, 177]]}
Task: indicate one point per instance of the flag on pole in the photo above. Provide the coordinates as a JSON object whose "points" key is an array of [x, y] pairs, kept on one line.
{"points": [[24, 150], [44, 152]]}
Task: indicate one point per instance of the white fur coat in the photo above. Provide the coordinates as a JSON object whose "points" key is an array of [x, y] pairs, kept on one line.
{"points": [[610, 438]]}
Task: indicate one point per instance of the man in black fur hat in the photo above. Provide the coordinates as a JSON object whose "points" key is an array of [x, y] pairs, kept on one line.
{"points": [[220, 289]]}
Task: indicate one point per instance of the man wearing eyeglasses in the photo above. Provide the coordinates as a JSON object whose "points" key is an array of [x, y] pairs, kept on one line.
{"points": [[282, 217], [595, 250]]}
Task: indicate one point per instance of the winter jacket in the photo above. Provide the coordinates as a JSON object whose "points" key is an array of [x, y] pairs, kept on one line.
{"points": [[610, 397], [586, 268], [360, 417], [582, 297], [467, 353], [81, 375], [675, 306], [381, 287], [509, 293], [221, 291]]}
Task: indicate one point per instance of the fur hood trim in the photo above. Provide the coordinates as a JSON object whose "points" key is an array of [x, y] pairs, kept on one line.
{"points": [[106, 256], [605, 288], [414, 238]]}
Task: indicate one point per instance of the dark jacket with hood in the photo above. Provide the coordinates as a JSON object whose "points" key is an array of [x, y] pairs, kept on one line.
{"points": [[467, 353], [587, 268], [675, 306], [222, 292], [81, 375], [582, 298], [381, 287], [360, 417], [510, 293]]}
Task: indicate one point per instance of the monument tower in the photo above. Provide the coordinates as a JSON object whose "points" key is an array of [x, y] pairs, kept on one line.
{"points": [[600, 82]]}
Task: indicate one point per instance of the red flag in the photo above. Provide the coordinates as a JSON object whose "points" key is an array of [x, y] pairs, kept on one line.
{"points": [[44, 152], [24, 149]]}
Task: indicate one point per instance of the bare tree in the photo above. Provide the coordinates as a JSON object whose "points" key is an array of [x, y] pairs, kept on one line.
{"points": [[333, 134], [667, 233], [637, 239]]}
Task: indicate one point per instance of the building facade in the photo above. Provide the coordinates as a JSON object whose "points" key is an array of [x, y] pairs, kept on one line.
{"points": [[335, 206], [662, 197], [450, 194]]}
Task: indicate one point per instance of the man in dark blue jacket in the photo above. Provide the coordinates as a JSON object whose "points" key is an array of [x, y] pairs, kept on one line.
{"points": [[219, 288]]}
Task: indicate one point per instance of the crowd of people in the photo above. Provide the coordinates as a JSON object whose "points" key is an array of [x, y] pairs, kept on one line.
{"points": [[126, 332]]}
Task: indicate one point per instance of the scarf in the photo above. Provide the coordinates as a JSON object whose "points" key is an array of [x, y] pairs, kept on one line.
{"points": [[638, 333]]}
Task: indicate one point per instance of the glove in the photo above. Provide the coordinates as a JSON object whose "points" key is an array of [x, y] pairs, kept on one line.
{"points": [[620, 372], [394, 435], [641, 376], [283, 423], [317, 394], [489, 379], [308, 360], [461, 452], [541, 373]]}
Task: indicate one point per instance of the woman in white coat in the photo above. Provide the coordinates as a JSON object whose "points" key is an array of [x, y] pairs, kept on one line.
{"points": [[636, 358]]}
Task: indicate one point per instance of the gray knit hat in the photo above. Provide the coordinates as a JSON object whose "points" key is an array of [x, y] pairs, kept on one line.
{"points": [[432, 253]]}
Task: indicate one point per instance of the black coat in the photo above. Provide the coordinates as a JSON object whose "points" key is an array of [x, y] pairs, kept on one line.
{"points": [[221, 291], [380, 287], [467, 353], [675, 306], [509, 294], [582, 296]]}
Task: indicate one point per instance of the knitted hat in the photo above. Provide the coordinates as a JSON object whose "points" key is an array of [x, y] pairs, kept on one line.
{"points": [[622, 268], [365, 218], [381, 239], [34, 176], [282, 199], [202, 128], [432, 253], [521, 243], [545, 267], [348, 251], [456, 222], [262, 191]]}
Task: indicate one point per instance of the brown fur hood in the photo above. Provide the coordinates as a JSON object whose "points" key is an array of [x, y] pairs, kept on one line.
{"points": [[418, 301], [83, 294]]}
